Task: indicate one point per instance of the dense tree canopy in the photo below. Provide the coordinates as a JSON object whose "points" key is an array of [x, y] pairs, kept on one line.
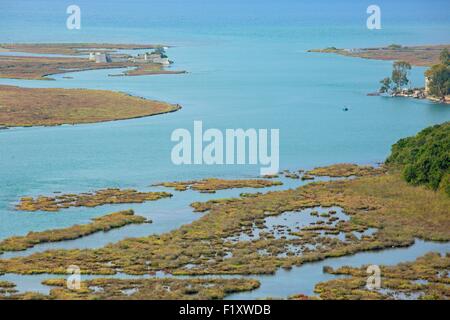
{"points": [[425, 158]]}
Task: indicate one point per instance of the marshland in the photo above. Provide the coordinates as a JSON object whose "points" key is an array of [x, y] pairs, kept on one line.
{"points": [[239, 242]]}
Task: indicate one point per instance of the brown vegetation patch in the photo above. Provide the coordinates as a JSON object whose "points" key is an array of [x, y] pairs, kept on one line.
{"points": [[48, 107], [346, 170], [426, 278], [211, 185], [95, 199], [7, 289], [151, 289]]}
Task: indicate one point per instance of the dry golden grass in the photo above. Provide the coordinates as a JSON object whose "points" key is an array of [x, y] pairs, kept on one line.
{"points": [[48, 107], [425, 278]]}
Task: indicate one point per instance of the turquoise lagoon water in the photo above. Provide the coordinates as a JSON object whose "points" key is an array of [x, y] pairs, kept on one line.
{"points": [[247, 68]]}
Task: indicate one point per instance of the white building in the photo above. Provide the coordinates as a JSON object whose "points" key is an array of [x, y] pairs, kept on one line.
{"points": [[99, 57]]}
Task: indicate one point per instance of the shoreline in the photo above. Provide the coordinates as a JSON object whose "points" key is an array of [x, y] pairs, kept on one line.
{"points": [[50, 106], [417, 56]]}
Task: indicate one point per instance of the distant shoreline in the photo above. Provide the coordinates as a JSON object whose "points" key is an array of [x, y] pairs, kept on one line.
{"points": [[421, 56]]}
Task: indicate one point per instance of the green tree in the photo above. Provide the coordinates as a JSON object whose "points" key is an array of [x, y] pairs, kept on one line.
{"points": [[444, 57], [400, 74], [386, 84], [439, 80]]}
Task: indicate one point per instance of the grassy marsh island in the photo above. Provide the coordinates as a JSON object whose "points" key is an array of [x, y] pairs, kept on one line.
{"points": [[211, 185], [426, 55], [95, 199], [143, 289], [345, 170], [425, 278], [103, 223], [48, 107]]}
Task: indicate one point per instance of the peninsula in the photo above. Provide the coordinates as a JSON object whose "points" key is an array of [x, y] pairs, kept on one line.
{"points": [[426, 55], [25, 107]]}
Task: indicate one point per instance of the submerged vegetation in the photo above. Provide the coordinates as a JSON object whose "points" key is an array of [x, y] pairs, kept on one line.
{"points": [[426, 278], [98, 198], [104, 223], [211, 185], [425, 158], [49, 107]]}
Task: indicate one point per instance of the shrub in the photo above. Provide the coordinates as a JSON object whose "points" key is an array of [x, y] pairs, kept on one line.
{"points": [[425, 158]]}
